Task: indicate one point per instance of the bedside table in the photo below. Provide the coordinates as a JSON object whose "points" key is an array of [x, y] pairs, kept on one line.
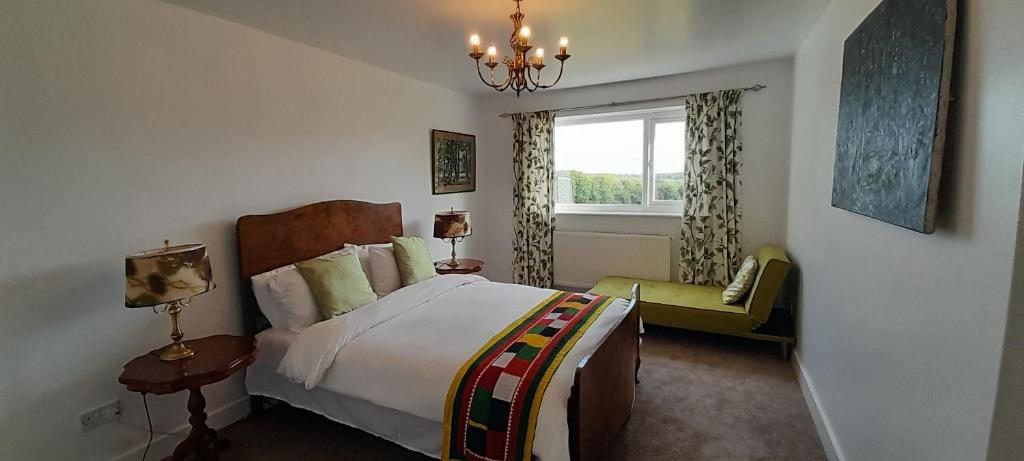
{"points": [[216, 358], [466, 266]]}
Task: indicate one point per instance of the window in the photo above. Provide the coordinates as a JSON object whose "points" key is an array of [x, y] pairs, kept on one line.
{"points": [[620, 162]]}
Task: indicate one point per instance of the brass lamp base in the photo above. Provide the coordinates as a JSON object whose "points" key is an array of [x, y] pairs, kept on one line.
{"points": [[454, 262], [176, 351]]}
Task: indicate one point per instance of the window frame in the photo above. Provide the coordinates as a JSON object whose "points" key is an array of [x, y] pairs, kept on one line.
{"points": [[650, 117]]}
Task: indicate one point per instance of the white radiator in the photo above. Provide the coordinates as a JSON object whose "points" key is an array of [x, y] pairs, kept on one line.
{"points": [[583, 258]]}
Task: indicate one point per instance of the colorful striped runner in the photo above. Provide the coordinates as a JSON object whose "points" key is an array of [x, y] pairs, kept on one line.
{"points": [[492, 404]]}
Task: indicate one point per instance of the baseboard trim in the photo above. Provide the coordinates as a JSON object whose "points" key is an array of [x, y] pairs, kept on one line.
{"points": [[163, 444], [821, 422]]}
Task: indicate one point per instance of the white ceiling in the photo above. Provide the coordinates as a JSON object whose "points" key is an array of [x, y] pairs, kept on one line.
{"points": [[610, 40]]}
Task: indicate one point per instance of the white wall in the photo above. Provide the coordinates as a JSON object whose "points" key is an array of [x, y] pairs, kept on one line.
{"points": [[900, 333], [766, 128], [125, 122], [1006, 441]]}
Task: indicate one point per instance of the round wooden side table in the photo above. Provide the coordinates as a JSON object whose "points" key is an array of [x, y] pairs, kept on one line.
{"points": [[217, 357], [466, 266]]}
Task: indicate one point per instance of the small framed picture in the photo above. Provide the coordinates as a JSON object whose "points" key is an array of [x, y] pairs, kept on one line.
{"points": [[452, 162]]}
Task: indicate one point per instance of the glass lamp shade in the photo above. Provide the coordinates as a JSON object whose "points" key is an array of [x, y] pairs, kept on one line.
{"points": [[165, 275], [452, 224]]}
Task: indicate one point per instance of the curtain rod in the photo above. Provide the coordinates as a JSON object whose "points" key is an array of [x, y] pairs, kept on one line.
{"points": [[757, 87]]}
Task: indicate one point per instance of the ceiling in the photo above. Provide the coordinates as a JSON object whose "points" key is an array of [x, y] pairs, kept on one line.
{"points": [[610, 40]]}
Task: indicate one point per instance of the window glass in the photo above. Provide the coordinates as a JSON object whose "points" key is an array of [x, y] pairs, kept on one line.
{"points": [[630, 161], [669, 148], [600, 163]]}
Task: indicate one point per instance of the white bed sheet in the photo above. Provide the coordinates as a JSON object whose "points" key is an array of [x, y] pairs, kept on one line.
{"points": [[412, 432]]}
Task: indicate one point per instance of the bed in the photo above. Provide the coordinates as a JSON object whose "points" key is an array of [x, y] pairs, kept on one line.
{"points": [[586, 405]]}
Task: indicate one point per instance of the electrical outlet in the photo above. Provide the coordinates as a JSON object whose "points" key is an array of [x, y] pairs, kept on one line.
{"points": [[95, 418]]}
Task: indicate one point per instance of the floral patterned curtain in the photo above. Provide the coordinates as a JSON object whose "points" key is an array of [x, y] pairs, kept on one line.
{"points": [[709, 250], [534, 198]]}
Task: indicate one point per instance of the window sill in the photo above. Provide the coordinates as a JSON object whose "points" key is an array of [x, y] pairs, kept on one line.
{"points": [[639, 214]]}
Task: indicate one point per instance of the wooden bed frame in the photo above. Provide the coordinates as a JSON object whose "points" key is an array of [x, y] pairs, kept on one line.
{"points": [[605, 381]]}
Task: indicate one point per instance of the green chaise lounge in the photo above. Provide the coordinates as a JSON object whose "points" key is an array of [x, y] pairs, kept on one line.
{"points": [[696, 307]]}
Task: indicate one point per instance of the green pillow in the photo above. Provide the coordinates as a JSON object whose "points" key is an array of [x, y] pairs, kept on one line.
{"points": [[413, 258], [337, 282], [744, 280]]}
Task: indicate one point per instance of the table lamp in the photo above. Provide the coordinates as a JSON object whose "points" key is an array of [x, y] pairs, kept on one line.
{"points": [[452, 225], [169, 276]]}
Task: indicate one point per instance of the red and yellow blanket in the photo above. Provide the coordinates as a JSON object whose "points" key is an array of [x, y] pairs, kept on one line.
{"points": [[492, 404]]}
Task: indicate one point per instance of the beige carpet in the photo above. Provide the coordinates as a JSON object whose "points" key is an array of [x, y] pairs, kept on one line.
{"points": [[701, 397]]}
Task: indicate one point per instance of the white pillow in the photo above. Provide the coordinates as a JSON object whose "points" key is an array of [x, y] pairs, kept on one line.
{"points": [[285, 299], [385, 277], [265, 299], [363, 252], [294, 300]]}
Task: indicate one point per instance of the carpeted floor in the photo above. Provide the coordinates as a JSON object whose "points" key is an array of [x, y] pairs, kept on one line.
{"points": [[700, 397]]}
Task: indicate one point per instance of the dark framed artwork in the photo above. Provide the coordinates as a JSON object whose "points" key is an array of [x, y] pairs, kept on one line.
{"points": [[452, 162], [892, 112]]}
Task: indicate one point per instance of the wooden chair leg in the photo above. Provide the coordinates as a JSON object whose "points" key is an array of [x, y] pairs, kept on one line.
{"points": [[784, 351]]}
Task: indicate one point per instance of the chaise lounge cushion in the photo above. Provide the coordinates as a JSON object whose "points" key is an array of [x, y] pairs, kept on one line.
{"points": [[677, 305], [698, 307], [772, 266]]}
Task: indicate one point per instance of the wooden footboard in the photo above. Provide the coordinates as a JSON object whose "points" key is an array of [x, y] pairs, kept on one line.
{"points": [[604, 387]]}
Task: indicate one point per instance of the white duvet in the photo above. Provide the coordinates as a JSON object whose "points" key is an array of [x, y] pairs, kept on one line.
{"points": [[402, 351]]}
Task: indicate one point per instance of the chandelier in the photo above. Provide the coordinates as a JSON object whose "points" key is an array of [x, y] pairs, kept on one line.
{"points": [[520, 67]]}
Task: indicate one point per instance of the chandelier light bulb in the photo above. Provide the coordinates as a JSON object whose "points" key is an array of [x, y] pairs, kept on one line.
{"points": [[474, 41], [564, 41], [492, 51], [524, 34]]}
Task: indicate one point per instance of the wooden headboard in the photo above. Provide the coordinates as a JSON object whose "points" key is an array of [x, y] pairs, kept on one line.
{"points": [[269, 241]]}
